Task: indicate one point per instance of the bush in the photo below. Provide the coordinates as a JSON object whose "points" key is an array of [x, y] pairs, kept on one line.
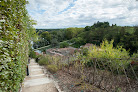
{"points": [[52, 64], [85, 51], [32, 54], [129, 70], [64, 44], [44, 60], [111, 57], [133, 65], [52, 68]]}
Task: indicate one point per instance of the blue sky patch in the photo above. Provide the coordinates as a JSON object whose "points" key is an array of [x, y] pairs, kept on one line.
{"points": [[71, 5], [41, 11]]}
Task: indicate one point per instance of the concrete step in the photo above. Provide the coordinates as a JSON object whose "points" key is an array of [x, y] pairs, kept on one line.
{"points": [[35, 77], [34, 82], [49, 87]]}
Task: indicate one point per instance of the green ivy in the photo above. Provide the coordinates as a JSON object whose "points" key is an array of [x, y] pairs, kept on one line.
{"points": [[16, 32]]}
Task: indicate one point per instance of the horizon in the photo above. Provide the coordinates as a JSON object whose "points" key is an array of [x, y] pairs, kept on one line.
{"points": [[80, 27]]}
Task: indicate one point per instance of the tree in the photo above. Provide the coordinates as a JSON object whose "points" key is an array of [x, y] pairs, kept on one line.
{"points": [[87, 28], [69, 33], [46, 37], [101, 24], [54, 42], [64, 44]]}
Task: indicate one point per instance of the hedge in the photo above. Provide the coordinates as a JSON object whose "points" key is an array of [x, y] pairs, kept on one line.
{"points": [[16, 32]]}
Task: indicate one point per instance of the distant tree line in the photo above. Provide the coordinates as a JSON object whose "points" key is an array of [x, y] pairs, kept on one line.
{"points": [[43, 30], [124, 36], [54, 37]]}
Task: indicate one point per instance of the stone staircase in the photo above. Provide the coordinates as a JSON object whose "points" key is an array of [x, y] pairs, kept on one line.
{"points": [[37, 80]]}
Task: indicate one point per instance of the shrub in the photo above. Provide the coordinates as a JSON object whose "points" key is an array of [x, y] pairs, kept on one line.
{"points": [[133, 65], [52, 68], [85, 51], [111, 57], [64, 44], [130, 72], [37, 58], [32, 54], [44, 60]]}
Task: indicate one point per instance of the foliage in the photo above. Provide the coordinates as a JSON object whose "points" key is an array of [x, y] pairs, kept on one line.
{"points": [[85, 51], [52, 68], [46, 37], [131, 69], [77, 42], [135, 56], [64, 44], [32, 54], [72, 32], [16, 32], [111, 57], [133, 66], [54, 42], [54, 37], [51, 63], [125, 36], [101, 24], [44, 60]]}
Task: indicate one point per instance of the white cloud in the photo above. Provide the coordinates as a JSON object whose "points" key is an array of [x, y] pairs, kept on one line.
{"points": [[70, 13]]}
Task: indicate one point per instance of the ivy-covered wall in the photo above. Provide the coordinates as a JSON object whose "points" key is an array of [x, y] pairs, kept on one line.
{"points": [[16, 31]]}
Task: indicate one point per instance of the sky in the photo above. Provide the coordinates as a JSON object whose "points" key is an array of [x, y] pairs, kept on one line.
{"points": [[81, 13]]}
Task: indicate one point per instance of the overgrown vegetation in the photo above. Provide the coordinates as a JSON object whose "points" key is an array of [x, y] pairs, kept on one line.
{"points": [[114, 58], [16, 32], [100, 66], [52, 68], [44, 60], [51, 63], [32, 54]]}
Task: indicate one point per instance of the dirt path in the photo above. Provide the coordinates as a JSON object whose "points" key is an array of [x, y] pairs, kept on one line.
{"points": [[37, 80]]}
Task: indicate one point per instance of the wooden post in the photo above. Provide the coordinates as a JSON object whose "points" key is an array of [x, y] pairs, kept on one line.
{"points": [[94, 61], [27, 70], [68, 64]]}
